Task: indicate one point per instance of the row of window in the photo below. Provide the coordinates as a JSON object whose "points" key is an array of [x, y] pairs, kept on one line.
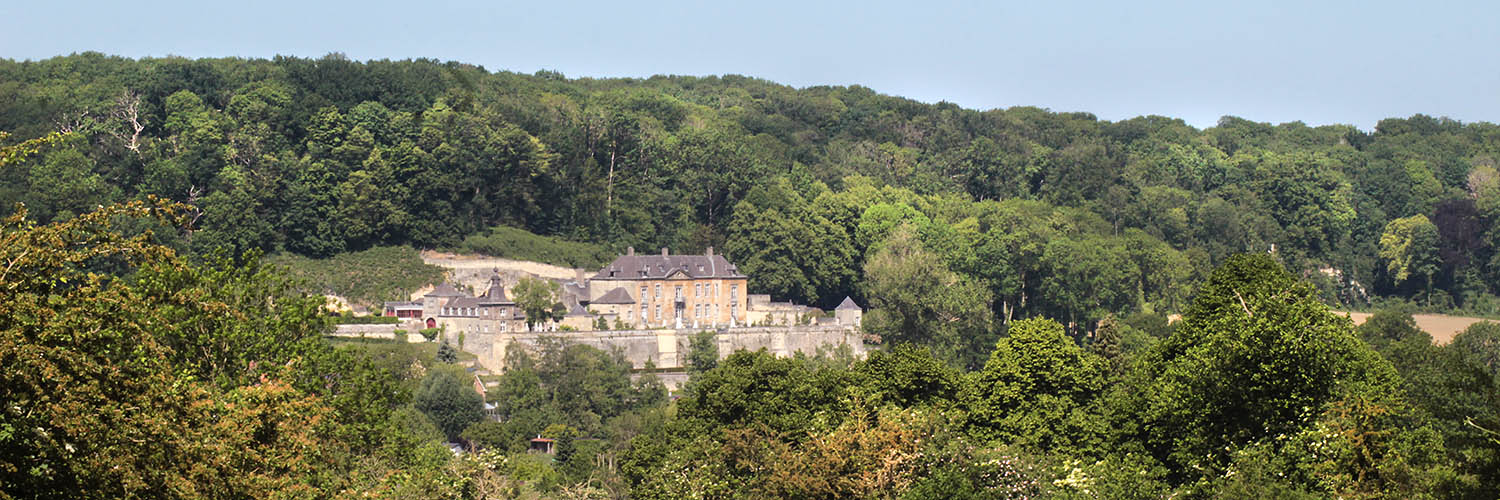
{"points": [[699, 290], [700, 311], [470, 311]]}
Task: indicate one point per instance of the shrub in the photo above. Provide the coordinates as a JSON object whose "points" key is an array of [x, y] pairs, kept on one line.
{"points": [[519, 244], [429, 333], [367, 278], [366, 320], [400, 335]]}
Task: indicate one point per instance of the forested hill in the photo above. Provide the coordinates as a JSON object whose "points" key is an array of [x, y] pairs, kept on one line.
{"points": [[1032, 212]]}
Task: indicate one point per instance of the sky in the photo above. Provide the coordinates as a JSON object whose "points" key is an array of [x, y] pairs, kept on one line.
{"points": [[1319, 62]]}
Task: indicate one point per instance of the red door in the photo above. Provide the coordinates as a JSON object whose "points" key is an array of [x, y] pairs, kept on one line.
{"points": [[431, 323]]}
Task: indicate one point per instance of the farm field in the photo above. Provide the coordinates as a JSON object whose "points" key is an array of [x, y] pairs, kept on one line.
{"points": [[1442, 327]]}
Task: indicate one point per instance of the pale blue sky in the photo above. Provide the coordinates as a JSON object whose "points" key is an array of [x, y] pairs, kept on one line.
{"points": [[1318, 62]]}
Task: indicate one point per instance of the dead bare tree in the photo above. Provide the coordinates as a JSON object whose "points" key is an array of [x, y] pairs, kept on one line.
{"points": [[128, 110], [194, 192]]}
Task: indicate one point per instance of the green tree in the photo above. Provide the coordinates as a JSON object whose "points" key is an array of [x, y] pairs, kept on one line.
{"points": [[915, 298], [1236, 372], [1037, 390], [1409, 247], [1480, 342], [446, 395], [539, 300], [703, 352]]}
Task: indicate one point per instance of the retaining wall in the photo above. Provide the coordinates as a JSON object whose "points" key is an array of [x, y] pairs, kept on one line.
{"points": [[668, 348]]}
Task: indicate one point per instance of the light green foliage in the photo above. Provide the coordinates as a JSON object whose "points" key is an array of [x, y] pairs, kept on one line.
{"points": [[539, 299], [367, 277], [1038, 390], [1458, 396], [1409, 247]]}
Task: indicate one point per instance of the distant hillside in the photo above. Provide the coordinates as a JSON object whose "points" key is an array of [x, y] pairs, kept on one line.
{"points": [[800, 187]]}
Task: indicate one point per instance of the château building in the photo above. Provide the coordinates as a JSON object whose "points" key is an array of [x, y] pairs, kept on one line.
{"points": [[632, 292], [676, 291]]}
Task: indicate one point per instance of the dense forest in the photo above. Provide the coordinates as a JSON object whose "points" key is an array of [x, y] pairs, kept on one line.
{"points": [[1017, 266], [324, 156]]}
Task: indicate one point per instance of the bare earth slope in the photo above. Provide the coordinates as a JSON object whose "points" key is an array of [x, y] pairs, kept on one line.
{"points": [[474, 271]]}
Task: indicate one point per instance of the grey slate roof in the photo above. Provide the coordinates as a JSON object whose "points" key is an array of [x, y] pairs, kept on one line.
{"points": [[496, 294], [617, 296], [461, 303], [404, 304], [631, 267], [577, 310], [444, 290], [848, 304]]}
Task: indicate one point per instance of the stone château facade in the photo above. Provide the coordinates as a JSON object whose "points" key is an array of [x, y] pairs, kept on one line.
{"points": [[633, 292], [677, 291]]}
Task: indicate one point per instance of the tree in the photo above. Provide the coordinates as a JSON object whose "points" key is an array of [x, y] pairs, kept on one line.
{"points": [[539, 300], [1409, 247], [1036, 390], [1457, 395], [446, 395], [1480, 342], [1236, 373], [146, 376], [446, 353], [907, 375], [703, 352], [915, 298], [1107, 344]]}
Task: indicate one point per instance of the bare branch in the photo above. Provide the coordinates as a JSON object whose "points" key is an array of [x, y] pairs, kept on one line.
{"points": [[1242, 304], [72, 122], [128, 110]]}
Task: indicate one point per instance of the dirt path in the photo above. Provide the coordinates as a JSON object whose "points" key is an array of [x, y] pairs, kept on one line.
{"points": [[1442, 327], [474, 271]]}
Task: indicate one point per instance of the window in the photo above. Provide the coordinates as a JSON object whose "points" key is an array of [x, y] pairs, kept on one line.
{"points": [[643, 293], [657, 312], [486, 329], [643, 312], [486, 312], [734, 292], [678, 292], [658, 291]]}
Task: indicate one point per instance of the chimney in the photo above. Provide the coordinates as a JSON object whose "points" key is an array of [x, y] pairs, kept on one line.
{"points": [[663, 251], [630, 251], [710, 252]]}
